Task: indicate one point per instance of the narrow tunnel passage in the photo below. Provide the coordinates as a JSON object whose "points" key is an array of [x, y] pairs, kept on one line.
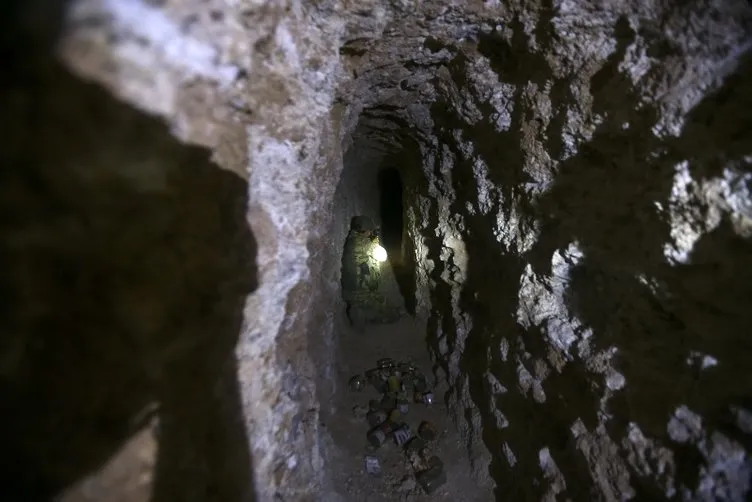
{"points": [[394, 232], [371, 208]]}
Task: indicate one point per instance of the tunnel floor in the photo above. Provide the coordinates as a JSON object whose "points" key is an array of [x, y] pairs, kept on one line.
{"points": [[360, 350]]}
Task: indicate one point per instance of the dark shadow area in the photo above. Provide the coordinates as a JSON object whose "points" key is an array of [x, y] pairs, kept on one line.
{"points": [[393, 231], [391, 213], [604, 199], [127, 259], [490, 294]]}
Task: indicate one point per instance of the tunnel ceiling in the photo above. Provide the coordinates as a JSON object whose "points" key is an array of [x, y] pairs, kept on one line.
{"points": [[578, 206]]}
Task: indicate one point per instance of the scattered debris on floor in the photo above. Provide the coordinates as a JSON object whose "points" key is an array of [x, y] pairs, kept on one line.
{"points": [[360, 411], [401, 386], [373, 466], [357, 383]]}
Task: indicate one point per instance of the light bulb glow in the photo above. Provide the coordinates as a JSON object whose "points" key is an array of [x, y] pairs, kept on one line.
{"points": [[378, 253]]}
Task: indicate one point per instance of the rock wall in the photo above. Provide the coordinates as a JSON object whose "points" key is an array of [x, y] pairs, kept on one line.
{"points": [[580, 229], [127, 260], [253, 83], [578, 216]]}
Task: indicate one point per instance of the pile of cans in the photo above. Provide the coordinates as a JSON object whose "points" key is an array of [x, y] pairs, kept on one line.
{"points": [[400, 385]]}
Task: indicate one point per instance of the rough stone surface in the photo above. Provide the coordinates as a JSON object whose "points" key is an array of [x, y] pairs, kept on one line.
{"points": [[127, 260], [580, 230], [578, 178], [256, 86]]}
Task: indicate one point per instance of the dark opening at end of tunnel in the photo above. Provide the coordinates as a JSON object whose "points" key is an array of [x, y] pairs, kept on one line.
{"points": [[390, 211], [378, 285]]}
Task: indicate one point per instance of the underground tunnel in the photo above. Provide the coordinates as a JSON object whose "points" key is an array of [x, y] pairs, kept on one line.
{"points": [[376, 279], [419, 251]]}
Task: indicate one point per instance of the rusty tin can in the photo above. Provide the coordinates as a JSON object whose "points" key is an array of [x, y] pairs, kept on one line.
{"points": [[403, 406], [380, 434], [402, 434], [376, 417]]}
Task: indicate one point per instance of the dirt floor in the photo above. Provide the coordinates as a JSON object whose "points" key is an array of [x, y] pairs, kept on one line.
{"points": [[402, 341]]}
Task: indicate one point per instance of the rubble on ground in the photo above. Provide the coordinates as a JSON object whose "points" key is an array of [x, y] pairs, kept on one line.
{"points": [[401, 386]]}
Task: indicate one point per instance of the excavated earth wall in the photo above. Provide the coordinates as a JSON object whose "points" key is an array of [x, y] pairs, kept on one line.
{"points": [[578, 177]]}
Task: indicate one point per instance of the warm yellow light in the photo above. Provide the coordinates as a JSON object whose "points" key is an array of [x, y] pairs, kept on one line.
{"points": [[378, 253]]}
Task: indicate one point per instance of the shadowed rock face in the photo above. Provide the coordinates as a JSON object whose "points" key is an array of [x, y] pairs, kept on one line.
{"points": [[576, 187], [127, 260], [580, 236]]}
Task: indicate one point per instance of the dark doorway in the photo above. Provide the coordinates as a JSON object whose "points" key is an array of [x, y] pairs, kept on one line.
{"points": [[391, 210]]}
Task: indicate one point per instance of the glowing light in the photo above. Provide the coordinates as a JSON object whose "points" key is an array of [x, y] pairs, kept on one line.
{"points": [[378, 253]]}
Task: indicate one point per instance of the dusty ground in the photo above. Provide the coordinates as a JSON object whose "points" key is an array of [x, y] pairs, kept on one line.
{"points": [[402, 341]]}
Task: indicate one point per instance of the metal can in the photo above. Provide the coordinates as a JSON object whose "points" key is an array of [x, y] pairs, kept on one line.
{"points": [[403, 406], [395, 415], [376, 417], [357, 383], [402, 434], [373, 466], [380, 434], [394, 384], [387, 363], [376, 378], [426, 398]]}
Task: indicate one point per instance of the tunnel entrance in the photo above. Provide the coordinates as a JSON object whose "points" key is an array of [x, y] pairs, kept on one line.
{"points": [[372, 191], [381, 183], [391, 213]]}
